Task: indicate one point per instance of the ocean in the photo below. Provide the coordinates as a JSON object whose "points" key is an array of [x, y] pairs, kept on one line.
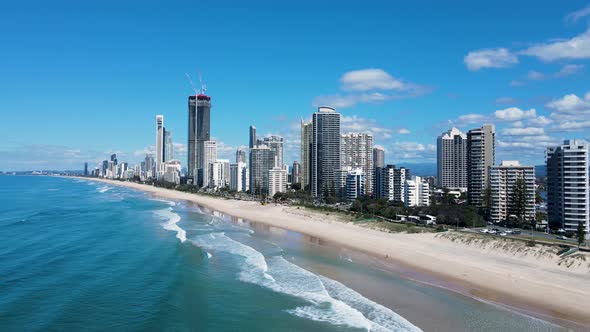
{"points": [[83, 255]]}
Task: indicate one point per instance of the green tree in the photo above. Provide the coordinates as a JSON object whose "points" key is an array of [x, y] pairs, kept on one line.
{"points": [[581, 233], [520, 198]]}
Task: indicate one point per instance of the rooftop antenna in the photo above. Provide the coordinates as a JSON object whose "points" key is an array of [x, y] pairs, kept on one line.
{"points": [[203, 86], [192, 84]]}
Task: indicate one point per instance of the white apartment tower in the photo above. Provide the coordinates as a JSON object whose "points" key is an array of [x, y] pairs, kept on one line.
{"points": [[325, 154], [357, 152], [502, 181], [159, 140], [451, 160], [567, 185], [238, 179], [277, 181], [209, 157], [355, 184], [480, 157], [275, 143], [417, 192]]}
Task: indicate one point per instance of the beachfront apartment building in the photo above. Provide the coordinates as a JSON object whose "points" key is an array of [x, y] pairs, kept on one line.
{"points": [[262, 160], [159, 140], [480, 156], [357, 152], [378, 157], [325, 154], [389, 183], [417, 192], [275, 143], [199, 132], [355, 184], [277, 181], [568, 192], [306, 149], [239, 177], [240, 156], [209, 157], [451, 160], [502, 181]]}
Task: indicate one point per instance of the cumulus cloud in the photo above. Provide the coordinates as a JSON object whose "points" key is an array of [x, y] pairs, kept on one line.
{"points": [[535, 75], [363, 125], [403, 131], [489, 58], [577, 47], [527, 131], [468, 119], [540, 121], [370, 79], [570, 103], [371, 85], [514, 114]]}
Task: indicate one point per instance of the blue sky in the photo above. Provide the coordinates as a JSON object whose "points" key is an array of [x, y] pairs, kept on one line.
{"points": [[82, 79]]}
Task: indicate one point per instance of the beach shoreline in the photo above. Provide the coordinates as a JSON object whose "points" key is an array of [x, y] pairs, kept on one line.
{"points": [[538, 287]]}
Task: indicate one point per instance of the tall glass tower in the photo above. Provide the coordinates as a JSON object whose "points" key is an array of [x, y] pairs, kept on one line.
{"points": [[199, 131]]}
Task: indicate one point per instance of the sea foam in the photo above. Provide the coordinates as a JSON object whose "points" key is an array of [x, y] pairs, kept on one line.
{"points": [[329, 301], [171, 223]]}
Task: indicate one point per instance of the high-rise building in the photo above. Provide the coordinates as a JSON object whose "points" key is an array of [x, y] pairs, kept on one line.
{"points": [[149, 166], [502, 181], [199, 132], [168, 145], [306, 149], [480, 156], [159, 140], [85, 169], [114, 158], [238, 180], [209, 156], [386, 185], [378, 157], [277, 181], [325, 156], [240, 156], [253, 141], [451, 160], [357, 152], [275, 143], [262, 160], [296, 172], [355, 184], [567, 185], [417, 192]]}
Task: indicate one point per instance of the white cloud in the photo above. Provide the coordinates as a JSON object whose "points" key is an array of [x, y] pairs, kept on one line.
{"points": [[568, 70], [570, 103], [363, 125], [572, 126], [489, 58], [514, 114], [403, 131], [535, 75], [468, 119], [528, 131], [369, 79], [540, 121], [578, 14], [577, 47], [370, 86]]}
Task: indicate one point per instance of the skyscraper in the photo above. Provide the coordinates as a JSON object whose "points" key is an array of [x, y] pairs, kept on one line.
{"points": [[114, 158], [159, 140], [168, 145], [568, 194], [85, 169], [325, 156], [262, 160], [378, 157], [306, 148], [253, 141], [296, 172], [240, 156], [275, 143], [357, 152], [209, 156], [480, 156], [502, 197], [199, 125], [451, 160]]}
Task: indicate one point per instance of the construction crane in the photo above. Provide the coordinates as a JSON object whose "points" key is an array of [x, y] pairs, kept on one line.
{"points": [[192, 84], [203, 86]]}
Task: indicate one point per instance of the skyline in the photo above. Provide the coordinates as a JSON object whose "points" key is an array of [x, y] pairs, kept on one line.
{"points": [[87, 105]]}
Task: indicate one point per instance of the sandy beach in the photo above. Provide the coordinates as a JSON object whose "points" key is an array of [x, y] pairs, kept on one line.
{"points": [[536, 281]]}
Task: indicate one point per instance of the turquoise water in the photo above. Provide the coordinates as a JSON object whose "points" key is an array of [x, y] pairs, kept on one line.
{"points": [[82, 255]]}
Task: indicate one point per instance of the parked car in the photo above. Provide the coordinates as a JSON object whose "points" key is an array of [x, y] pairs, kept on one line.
{"points": [[503, 234], [562, 237], [483, 230], [516, 232]]}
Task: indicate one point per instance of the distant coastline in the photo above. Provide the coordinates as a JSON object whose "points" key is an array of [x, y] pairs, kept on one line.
{"points": [[535, 283]]}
